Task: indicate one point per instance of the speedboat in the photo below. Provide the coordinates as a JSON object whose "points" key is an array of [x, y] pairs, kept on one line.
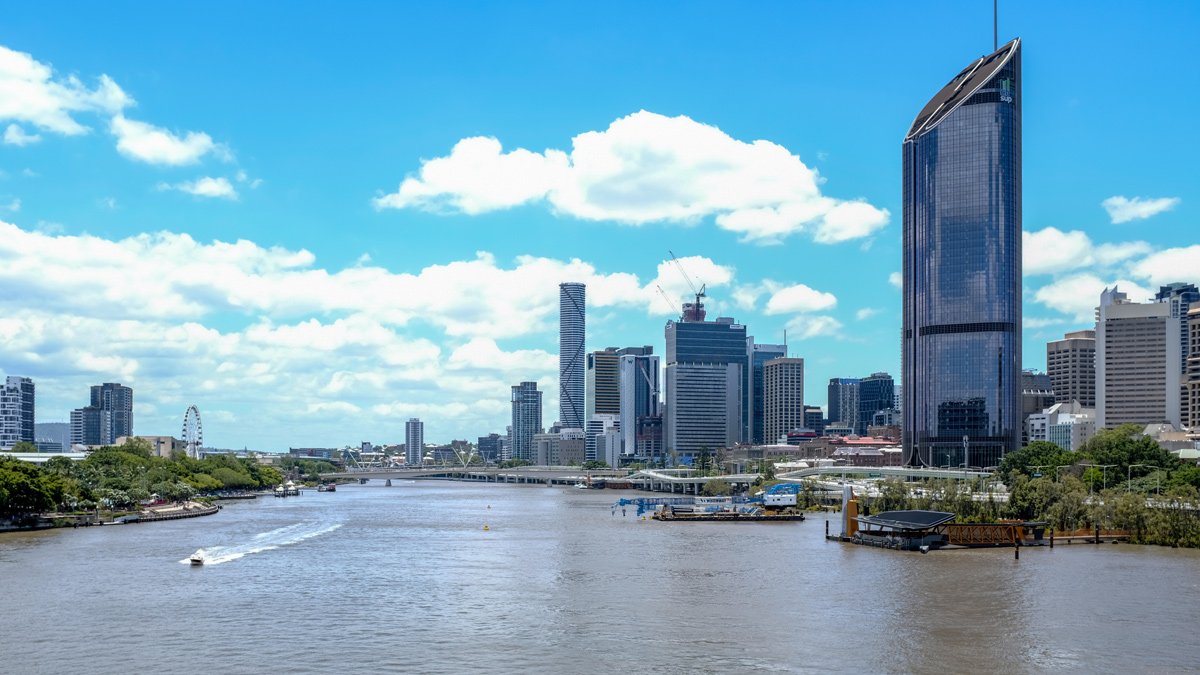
{"points": [[581, 486], [197, 558]]}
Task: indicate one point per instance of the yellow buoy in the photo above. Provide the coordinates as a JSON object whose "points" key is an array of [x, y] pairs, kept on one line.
{"points": [[485, 527]]}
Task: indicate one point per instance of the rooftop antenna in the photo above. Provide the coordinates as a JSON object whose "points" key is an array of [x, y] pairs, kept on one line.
{"points": [[995, 25]]}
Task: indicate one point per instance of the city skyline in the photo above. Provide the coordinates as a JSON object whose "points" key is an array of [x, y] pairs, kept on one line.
{"points": [[185, 245]]}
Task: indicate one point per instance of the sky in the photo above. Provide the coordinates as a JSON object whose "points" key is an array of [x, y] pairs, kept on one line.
{"points": [[317, 223]]}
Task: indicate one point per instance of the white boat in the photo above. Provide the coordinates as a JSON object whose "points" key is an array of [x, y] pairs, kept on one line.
{"points": [[581, 486], [197, 558]]}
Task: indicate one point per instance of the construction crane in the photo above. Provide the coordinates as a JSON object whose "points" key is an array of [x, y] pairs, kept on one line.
{"points": [[691, 312], [661, 292]]}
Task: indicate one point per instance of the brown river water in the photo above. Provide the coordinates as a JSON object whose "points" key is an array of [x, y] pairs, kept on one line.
{"points": [[406, 579]]}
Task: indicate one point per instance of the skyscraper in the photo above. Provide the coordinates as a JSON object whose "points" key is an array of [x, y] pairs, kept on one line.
{"points": [[753, 402], [1191, 387], [640, 386], [962, 267], [571, 327], [1137, 362], [783, 397], [108, 417], [601, 384], [1071, 365], [842, 397], [706, 375], [414, 441], [526, 419], [875, 392], [16, 412]]}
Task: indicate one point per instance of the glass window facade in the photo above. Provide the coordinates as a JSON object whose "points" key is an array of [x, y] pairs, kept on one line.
{"points": [[962, 269]]}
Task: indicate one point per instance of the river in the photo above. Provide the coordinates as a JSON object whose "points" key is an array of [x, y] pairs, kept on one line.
{"points": [[406, 579]]}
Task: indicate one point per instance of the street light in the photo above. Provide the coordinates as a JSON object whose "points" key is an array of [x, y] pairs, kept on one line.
{"points": [[1157, 478], [1103, 471]]}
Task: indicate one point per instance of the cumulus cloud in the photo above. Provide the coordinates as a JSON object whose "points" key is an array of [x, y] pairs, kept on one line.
{"points": [[31, 94], [155, 145], [205, 186], [1078, 295], [1052, 251], [15, 135], [1124, 209], [896, 279], [1170, 265], [644, 168], [799, 298], [866, 313], [810, 326]]}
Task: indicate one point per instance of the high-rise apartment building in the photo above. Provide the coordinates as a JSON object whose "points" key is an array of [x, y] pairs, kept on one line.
{"points": [[706, 375], [639, 382], [1138, 380], [783, 397], [108, 417], [526, 419], [17, 398], [571, 354], [842, 398], [601, 384], [962, 267], [753, 402], [1191, 389], [875, 392], [1071, 365], [414, 442]]}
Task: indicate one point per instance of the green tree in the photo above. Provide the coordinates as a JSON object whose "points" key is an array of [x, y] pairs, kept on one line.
{"points": [[1037, 457], [717, 487]]}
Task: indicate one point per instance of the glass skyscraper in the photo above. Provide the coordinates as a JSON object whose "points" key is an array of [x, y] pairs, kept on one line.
{"points": [[962, 268], [571, 327]]}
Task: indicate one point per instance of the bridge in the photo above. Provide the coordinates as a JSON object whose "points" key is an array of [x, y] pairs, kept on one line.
{"points": [[544, 475]]}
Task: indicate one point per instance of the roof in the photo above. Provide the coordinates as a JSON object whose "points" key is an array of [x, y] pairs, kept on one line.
{"points": [[908, 520], [962, 87]]}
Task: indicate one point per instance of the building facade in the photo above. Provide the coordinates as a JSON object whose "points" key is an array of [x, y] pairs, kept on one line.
{"points": [[875, 392], [1037, 394], [753, 402], [571, 355], [814, 418], [1138, 380], [1192, 388], [705, 378], [842, 398], [414, 442], [17, 400], [783, 397], [638, 375], [526, 419], [1071, 365], [118, 400], [962, 268], [602, 386], [489, 447]]}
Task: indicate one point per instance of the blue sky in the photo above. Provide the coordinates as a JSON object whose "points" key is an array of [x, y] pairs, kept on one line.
{"points": [[212, 210]]}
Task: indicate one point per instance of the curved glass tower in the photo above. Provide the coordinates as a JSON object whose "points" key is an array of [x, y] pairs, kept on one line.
{"points": [[571, 325], [962, 268]]}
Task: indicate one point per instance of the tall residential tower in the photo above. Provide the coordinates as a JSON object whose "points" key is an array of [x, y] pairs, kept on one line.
{"points": [[571, 325], [962, 267]]}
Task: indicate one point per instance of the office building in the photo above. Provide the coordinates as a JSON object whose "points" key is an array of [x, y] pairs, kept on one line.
{"points": [[53, 433], [414, 442], [1191, 389], [875, 392], [962, 268], [1037, 394], [649, 440], [602, 389], [571, 354], [17, 400], [783, 397], [118, 400], [842, 398], [1138, 380], [527, 418], [489, 447], [638, 377], [705, 373], [1071, 365], [571, 447], [1067, 425], [597, 425], [753, 402], [814, 418]]}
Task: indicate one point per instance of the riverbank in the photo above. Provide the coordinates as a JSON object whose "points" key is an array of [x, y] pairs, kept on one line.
{"points": [[47, 521]]}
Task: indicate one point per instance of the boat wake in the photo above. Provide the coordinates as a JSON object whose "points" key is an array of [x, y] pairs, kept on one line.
{"points": [[265, 541]]}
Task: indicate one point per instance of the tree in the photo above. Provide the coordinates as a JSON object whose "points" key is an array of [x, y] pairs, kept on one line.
{"points": [[1036, 457], [24, 446], [717, 487], [595, 464]]}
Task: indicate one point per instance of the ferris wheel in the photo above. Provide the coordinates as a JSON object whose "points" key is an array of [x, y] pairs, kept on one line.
{"points": [[193, 432]]}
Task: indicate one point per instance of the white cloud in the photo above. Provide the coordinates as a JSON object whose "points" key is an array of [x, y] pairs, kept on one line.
{"points": [[1124, 209], [31, 94], [1170, 265], [1052, 251], [799, 298], [644, 168], [896, 279], [1078, 295], [205, 186], [482, 353], [15, 135], [13, 205], [809, 326], [866, 313], [155, 145]]}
